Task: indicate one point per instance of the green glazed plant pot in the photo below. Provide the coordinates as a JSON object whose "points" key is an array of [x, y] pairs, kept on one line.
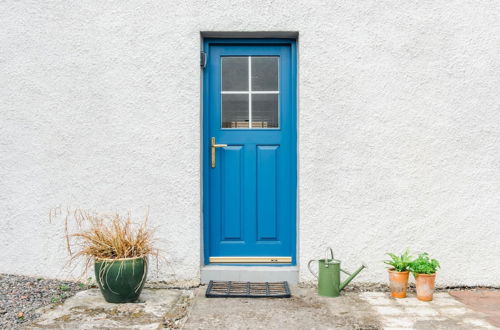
{"points": [[121, 280]]}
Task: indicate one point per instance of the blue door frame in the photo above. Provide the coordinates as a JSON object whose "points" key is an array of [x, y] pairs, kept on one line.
{"points": [[248, 161]]}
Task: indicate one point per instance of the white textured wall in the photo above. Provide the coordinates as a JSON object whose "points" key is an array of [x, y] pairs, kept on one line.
{"points": [[399, 126]]}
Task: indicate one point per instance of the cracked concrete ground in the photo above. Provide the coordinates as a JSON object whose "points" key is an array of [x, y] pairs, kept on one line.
{"points": [[304, 310], [190, 309], [88, 310]]}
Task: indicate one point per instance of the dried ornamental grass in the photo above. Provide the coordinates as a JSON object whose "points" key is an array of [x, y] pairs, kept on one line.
{"points": [[107, 238]]}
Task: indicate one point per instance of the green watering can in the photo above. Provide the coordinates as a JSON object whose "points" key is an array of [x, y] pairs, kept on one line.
{"points": [[329, 284]]}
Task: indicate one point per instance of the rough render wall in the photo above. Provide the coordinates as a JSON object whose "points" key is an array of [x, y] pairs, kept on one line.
{"points": [[399, 126]]}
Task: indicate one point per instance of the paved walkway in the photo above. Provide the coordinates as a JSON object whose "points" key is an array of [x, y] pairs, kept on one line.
{"points": [[444, 312], [487, 302], [189, 309]]}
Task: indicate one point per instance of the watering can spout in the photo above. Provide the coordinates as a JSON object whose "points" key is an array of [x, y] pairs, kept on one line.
{"points": [[351, 276]]}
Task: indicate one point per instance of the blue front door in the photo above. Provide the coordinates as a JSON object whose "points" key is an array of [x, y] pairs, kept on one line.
{"points": [[250, 171]]}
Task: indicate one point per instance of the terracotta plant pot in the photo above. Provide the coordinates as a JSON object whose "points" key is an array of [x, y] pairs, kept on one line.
{"points": [[398, 282], [425, 286]]}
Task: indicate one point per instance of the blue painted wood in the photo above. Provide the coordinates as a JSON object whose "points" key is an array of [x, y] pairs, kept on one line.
{"points": [[249, 199], [267, 193], [231, 164]]}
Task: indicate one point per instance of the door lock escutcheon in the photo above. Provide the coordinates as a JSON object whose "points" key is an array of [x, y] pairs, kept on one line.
{"points": [[213, 145]]}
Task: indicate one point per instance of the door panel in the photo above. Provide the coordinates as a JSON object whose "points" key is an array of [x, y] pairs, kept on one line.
{"points": [[232, 192], [250, 193], [267, 181]]}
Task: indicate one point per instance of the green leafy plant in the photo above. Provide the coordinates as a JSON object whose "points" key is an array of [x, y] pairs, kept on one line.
{"points": [[59, 298], [399, 263], [424, 264], [88, 284], [64, 287]]}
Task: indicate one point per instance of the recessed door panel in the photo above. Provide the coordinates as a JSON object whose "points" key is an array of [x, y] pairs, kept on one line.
{"points": [[231, 164], [267, 193]]}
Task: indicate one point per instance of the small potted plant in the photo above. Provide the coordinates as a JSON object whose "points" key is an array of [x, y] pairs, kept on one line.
{"points": [[424, 269], [119, 250], [398, 273]]}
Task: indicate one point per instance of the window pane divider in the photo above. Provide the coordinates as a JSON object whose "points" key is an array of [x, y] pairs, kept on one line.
{"points": [[250, 92]]}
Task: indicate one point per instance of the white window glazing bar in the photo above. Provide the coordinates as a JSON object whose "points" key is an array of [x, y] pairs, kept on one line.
{"points": [[250, 92]]}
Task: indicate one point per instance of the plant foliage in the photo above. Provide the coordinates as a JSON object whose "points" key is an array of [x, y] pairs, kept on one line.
{"points": [[108, 237], [399, 263], [424, 264]]}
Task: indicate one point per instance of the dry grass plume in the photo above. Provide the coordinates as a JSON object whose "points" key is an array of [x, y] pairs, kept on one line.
{"points": [[99, 236]]}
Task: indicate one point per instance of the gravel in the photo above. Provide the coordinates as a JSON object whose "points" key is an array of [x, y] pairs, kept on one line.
{"points": [[20, 296]]}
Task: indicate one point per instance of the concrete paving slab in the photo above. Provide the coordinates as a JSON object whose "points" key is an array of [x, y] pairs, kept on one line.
{"points": [[485, 301], [88, 310], [444, 312]]}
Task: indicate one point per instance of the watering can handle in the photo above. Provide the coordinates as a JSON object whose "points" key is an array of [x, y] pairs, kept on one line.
{"points": [[329, 249], [309, 266]]}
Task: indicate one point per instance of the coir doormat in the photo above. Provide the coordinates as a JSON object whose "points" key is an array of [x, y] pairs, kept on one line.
{"points": [[230, 289]]}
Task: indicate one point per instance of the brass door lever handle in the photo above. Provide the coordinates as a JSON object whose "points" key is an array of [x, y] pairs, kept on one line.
{"points": [[213, 145]]}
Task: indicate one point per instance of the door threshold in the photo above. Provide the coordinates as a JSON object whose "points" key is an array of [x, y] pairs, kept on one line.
{"points": [[251, 260], [249, 273]]}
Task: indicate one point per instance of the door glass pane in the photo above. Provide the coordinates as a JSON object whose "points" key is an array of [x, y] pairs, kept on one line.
{"points": [[235, 73], [265, 110], [235, 111], [265, 73]]}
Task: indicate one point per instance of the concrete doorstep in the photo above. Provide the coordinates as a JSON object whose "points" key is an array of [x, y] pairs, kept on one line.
{"points": [[190, 309]]}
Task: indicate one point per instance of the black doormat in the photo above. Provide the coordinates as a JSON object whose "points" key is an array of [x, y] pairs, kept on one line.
{"points": [[248, 290]]}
